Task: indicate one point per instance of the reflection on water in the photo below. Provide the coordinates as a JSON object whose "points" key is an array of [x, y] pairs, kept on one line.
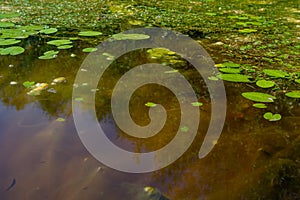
{"points": [[253, 158]]}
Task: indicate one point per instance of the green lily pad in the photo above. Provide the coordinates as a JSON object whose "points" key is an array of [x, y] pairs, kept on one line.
{"points": [[150, 104], [234, 78], [197, 104], [184, 129], [275, 73], [31, 28], [122, 36], [297, 81], [6, 24], [49, 31], [230, 70], [73, 38], [65, 47], [293, 94], [49, 55], [59, 42], [9, 15], [89, 49], [259, 105], [89, 33], [247, 30], [9, 41], [272, 117], [28, 84], [15, 50], [265, 83], [60, 119], [259, 97], [228, 64]]}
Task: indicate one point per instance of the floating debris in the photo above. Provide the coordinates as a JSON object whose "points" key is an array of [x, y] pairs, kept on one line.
{"points": [[13, 83], [59, 80], [38, 88], [52, 90], [11, 65]]}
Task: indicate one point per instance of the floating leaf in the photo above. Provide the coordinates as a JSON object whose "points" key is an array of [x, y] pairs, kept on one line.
{"points": [[272, 117], [275, 73], [60, 119], [197, 104], [9, 15], [247, 30], [265, 83], [49, 55], [184, 129], [234, 77], [230, 70], [65, 47], [150, 104], [73, 38], [49, 31], [89, 33], [122, 36], [78, 99], [259, 105], [9, 41], [6, 24], [89, 49], [228, 64], [259, 97], [59, 42], [12, 51], [297, 81], [293, 94], [28, 84], [213, 78]]}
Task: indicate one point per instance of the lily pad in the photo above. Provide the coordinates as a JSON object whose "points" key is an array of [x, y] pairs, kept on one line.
{"points": [[150, 104], [247, 30], [275, 73], [297, 81], [293, 94], [259, 105], [234, 78], [59, 42], [49, 55], [265, 83], [230, 70], [228, 64], [272, 117], [15, 50], [197, 104], [122, 36], [9, 41], [259, 97], [65, 46], [89, 33], [49, 31], [28, 84], [9, 15], [89, 49], [6, 24]]}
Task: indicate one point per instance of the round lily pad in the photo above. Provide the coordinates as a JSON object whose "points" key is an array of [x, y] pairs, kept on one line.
{"points": [[293, 94], [9, 15], [15, 50], [275, 73], [89, 33], [49, 31], [65, 46], [272, 117], [9, 41], [59, 42], [230, 70], [259, 97], [122, 36], [234, 77], [265, 83], [89, 49], [259, 105], [6, 24]]}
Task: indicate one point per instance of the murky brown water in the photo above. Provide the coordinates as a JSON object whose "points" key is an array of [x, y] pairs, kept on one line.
{"points": [[253, 159]]}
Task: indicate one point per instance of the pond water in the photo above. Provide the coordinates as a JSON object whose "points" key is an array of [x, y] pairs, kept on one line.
{"points": [[42, 156]]}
